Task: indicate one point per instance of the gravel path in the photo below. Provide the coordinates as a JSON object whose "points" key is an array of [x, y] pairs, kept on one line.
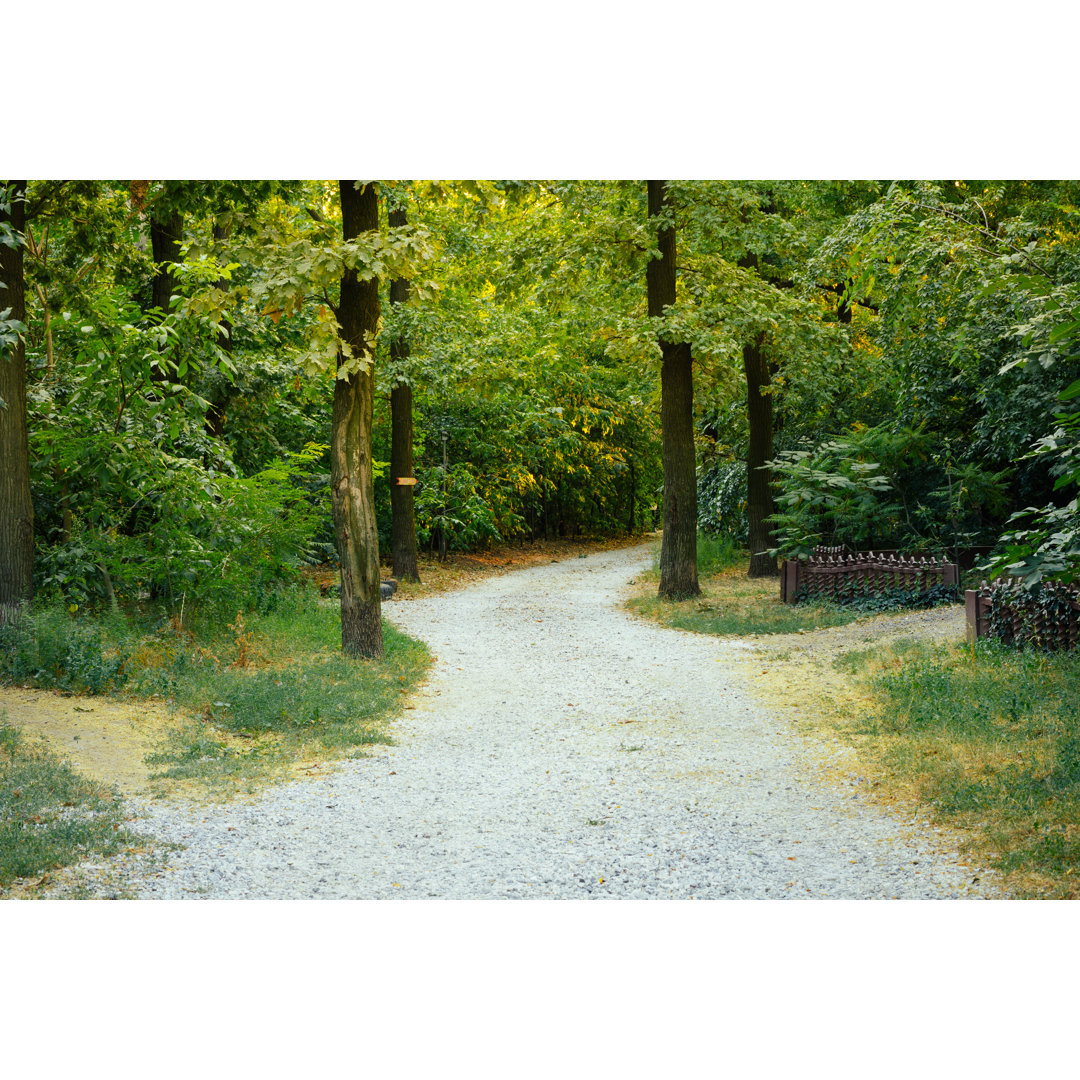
{"points": [[561, 748]]}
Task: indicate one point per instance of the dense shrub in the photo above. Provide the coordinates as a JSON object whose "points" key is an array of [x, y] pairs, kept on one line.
{"points": [[53, 647]]}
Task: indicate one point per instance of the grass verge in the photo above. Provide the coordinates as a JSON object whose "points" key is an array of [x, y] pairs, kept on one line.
{"points": [[50, 816], [255, 699], [988, 738], [730, 602]]}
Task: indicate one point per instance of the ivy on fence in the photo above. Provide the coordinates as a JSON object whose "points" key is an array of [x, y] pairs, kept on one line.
{"points": [[1047, 616], [830, 574]]}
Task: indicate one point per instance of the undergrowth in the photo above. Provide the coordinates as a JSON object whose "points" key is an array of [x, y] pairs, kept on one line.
{"points": [[888, 601], [990, 737], [50, 816], [253, 696]]}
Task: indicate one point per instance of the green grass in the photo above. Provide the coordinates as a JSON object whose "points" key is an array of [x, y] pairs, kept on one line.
{"points": [[258, 695], [732, 603], [990, 739], [50, 816]]}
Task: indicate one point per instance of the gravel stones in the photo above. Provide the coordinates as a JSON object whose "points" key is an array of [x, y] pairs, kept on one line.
{"points": [[562, 749]]}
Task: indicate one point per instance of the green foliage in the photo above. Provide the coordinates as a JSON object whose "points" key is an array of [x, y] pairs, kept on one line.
{"points": [[1047, 547], [722, 501], [52, 647], [923, 326], [191, 537], [886, 601], [50, 816], [879, 488], [830, 494], [449, 505], [716, 553]]}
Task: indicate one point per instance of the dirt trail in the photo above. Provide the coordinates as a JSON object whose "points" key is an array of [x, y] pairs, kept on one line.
{"points": [[104, 738], [797, 669]]}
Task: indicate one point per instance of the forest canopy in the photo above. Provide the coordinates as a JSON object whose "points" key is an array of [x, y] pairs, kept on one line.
{"points": [[200, 380]]}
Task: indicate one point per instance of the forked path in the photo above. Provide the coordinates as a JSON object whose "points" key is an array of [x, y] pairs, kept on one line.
{"points": [[561, 748]]}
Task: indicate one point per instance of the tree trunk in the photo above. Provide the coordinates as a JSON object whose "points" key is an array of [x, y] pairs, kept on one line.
{"points": [[166, 232], [16, 509], [215, 414], [403, 525], [678, 549], [759, 499], [350, 445]]}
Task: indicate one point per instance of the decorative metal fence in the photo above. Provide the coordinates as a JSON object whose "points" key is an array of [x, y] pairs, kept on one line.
{"points": [[1047, 616], [830, 574]]}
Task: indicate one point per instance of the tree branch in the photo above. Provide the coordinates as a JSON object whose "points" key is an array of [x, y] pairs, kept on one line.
{"points": [[839, 290], [985, 232]]}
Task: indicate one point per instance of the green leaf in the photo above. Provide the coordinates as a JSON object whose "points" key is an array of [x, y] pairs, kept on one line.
{"points": [[1067, 330]]}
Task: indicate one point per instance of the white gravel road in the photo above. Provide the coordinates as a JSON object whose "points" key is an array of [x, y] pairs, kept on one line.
{"points": [[561, 748]]}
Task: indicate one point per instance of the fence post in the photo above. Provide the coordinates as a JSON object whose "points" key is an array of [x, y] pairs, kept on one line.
{"points": [[973, 609]]}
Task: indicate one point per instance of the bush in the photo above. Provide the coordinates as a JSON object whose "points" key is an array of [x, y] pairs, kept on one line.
{"points": [[450, 505], [52, 647], [882, 488], [192, 536], [722, 502]]}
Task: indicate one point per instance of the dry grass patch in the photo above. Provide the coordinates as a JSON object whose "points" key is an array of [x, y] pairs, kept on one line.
{"points": [[731, 603], [987, 740]]}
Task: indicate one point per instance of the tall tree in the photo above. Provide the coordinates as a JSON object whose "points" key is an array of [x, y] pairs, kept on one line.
{"points": [[166, 235], [16, 509], [352, 480], [215, 413], [678, 550], [401, 438], [759, 498]]}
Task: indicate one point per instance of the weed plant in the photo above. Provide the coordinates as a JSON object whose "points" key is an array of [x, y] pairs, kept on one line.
{"points": [[50, 648], [50, 816], [258, 692], [991, 738]]}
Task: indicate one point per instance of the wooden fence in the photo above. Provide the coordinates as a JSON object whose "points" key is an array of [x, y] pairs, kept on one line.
{"points": [[1048, 616], [830, 574]]}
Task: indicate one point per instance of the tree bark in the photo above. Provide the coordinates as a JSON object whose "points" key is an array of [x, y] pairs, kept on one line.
{"points": [[759, 499], [215, 414], [350, 445], [16, 508], [403, 524], [678, 549], [166, 233]]}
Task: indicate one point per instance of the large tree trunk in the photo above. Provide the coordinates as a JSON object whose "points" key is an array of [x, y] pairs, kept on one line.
{"points": [[350, 445], [401, 444], [678, 549], [759, 499], [16, 509]]}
